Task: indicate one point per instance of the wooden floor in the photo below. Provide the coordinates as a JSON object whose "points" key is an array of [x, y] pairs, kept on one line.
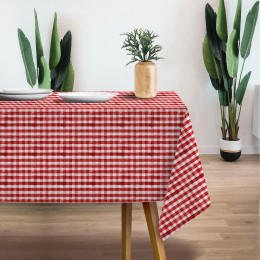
{"points": [[227, 230]]}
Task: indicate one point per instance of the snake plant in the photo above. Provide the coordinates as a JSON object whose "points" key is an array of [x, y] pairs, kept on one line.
{"points": [[38, 40], [42, 71], [59, 73], [62, 73], [55, 52], [27, 56], [221, 59]]}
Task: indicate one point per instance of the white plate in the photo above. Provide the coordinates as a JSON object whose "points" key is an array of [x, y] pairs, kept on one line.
{"points": [[87, 97], [23, 97], [25, 91]]}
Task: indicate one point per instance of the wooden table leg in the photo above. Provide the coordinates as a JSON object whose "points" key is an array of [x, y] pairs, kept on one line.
{"points": [[126, 230], [152, 219]]}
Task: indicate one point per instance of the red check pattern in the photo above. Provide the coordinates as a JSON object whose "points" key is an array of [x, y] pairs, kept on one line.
{"points": [[125, 150]]}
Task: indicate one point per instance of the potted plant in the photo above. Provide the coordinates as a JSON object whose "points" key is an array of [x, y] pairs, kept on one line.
{"points": [[221, 58], [59, 73], [140, 45]]}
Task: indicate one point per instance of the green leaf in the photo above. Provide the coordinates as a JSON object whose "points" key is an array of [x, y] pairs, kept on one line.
{"points": [[55, 51], [232, 54], [223, 97], [249, 30], [61, 69], [139, 44], [230, 82], [237, 20], [69, 79], [210, 62], [218, 46], [26, 52], [221, 24], [215, 83], [44, 79], [39, 48], [242, 88], [211, 30], [222, 46], [223, 66]]}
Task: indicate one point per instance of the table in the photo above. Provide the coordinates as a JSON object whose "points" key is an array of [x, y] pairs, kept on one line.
{"points": [[126, 150]]}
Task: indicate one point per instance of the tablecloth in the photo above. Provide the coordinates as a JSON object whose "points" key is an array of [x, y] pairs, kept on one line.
{"points": [[124, 150]]}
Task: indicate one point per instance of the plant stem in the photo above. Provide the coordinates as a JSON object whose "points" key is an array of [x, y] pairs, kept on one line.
{"points": [[239, 114], [239, 83], [235, 89], [242, 71], [223, 119], [222, 130]]}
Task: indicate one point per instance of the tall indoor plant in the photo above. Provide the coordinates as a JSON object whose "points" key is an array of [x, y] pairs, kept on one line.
{"points": [[59, 73], [140, 45], [62, 72], [221, 58]]}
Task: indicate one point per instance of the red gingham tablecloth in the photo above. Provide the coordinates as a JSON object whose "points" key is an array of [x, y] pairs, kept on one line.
{"points": [[125, 150]]}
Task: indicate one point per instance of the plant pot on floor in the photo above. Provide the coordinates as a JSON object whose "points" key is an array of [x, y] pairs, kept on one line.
{"points": [[145, 79], [230, 150]]}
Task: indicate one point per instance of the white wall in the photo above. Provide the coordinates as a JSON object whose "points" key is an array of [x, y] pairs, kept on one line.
{"points": [[100, 63]]}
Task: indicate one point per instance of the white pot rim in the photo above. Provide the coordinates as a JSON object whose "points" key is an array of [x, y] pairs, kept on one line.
{"points": [[238, 140], [230, 146]]}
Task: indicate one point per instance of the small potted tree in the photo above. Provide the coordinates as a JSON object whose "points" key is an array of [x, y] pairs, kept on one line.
{"points": [[140, 45], [221, 58]]}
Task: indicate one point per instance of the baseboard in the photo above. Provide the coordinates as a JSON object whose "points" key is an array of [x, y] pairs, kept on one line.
{"points": [[215, 149]]}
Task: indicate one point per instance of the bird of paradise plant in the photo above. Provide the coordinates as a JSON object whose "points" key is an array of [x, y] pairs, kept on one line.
{"points": [[221, 59]]}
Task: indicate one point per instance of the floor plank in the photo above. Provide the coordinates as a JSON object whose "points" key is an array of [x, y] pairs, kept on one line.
{"points": [[228, 230]]}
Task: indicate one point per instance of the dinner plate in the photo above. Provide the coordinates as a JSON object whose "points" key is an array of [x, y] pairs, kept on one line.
{"points": [[23, 97], [25, 91], [87, 97]]}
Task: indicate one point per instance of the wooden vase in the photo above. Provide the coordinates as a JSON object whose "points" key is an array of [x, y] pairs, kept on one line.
{"points": [[145, 79]]}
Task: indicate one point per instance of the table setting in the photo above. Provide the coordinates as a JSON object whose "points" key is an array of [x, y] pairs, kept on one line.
{"points": [[65, 146], [24, 94], [99, 123], [39, 94], [125, 150]]}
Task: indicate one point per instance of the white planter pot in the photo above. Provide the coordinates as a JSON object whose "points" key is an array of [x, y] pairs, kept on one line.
{"points": [[230, 150]]}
